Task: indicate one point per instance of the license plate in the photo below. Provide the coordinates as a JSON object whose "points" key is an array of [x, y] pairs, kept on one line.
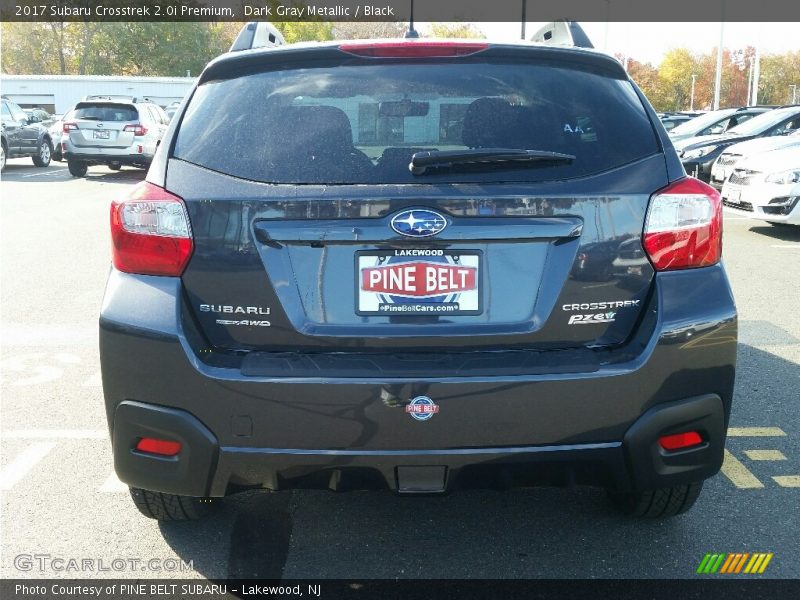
{"points": [[418, 282], [734, 195], [101, 134]]}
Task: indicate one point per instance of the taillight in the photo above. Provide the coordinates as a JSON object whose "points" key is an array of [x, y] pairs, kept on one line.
{"points": [[684, 226], [412, 48], [150, 232], [67, 127], [159, 447], [137, 130], [679, 441]]}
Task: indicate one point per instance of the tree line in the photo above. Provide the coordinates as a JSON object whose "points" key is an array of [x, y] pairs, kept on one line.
{"points": [[668, 85], [175, 49]]}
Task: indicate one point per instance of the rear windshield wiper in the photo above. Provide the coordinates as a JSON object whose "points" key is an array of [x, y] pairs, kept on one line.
{"points": [[438, 159], [90, 118]]}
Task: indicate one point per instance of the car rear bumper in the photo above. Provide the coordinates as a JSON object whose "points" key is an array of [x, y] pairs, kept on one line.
{"points": [[204, 468], [764, 201], [598, 427], [121, 156]]}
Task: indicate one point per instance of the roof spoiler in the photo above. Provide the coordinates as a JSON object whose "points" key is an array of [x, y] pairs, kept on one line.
{"points": [[562, 33], [257, 34], [112, 97]]}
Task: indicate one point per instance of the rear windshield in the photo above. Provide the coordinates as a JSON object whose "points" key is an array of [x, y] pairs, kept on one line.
{"points": [[701, 122], [361, 124], [106, 112], [761, 123]]}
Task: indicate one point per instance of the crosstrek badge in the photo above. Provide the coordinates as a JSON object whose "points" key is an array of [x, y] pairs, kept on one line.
{"points": [[419, 279]]}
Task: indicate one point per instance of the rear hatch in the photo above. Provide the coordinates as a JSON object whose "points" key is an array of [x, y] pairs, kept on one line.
{"points": [[99, 125], [313, 235]]}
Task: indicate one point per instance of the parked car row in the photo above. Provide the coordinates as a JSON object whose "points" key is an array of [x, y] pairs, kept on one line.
{"points": [[699, 152], [99, 130]]}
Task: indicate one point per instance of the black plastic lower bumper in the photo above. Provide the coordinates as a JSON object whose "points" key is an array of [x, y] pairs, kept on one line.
{"points": [[204, 469], [105, 159]]}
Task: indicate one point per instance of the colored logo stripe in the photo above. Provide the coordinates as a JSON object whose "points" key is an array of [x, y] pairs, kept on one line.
{"points": [[734, 562]]}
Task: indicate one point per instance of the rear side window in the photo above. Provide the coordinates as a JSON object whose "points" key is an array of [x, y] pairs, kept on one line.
{"points": [[361, 124], [106, 112]]}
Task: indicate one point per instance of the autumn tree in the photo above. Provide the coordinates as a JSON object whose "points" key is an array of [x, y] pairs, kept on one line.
{"points": [[455, 30]]}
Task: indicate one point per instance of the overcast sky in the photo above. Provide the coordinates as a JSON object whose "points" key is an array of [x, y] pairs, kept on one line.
{"points": [[649, 41]]}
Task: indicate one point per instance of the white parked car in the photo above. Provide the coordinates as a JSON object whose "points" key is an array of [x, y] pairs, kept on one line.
{"points": [[766, 186], [726, 162]]}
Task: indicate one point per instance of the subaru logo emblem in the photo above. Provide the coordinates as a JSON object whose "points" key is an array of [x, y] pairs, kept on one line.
{"points": [[422, 408], [418, 223]]}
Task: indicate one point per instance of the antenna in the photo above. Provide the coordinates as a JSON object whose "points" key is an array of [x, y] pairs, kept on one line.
{"points": [[411, 33]]}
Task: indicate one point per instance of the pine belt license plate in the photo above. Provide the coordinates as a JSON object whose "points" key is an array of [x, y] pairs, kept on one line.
{"points": [[412, 282]]}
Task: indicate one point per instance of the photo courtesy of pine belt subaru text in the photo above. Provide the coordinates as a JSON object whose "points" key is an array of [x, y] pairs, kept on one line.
{"points": [[418, 266]]}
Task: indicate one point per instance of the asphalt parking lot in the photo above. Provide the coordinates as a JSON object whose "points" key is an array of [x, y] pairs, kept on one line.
{"points": [[60, 499]]}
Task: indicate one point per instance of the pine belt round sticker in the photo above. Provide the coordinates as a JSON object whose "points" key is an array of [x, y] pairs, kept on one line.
{"points": [[422, 408]]}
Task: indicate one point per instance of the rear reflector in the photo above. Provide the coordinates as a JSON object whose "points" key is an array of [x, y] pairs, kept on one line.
{"points": [[679, 441], [150, 232], [412, 48], [684, 226], [160, 447]]}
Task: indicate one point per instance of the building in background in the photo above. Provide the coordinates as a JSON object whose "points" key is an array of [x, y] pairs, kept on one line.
{"points": [[59, 93]]}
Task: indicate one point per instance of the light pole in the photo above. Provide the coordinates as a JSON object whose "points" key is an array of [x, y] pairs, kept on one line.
{"points": [[524, 18], [691, 101], [718, 76], [756, 75], [794, 93]]}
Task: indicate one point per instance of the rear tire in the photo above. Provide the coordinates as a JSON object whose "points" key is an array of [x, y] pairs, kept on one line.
{"points": [[44, 154], [77, 168], [170, 507], [659, 503], [3, 154]]}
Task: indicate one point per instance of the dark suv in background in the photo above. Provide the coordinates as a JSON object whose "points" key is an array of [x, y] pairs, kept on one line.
{"points": [[372, 265], [22, 136]]}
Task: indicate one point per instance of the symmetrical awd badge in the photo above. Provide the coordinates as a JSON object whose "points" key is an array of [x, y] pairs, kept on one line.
{"points": [[418, 223]]}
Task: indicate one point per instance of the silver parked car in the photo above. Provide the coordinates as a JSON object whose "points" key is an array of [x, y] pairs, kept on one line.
{"points": [[112, 131]]}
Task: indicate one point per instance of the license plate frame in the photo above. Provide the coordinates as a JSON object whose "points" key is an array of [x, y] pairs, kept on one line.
{"points": [[102, 134], [466, 302]]}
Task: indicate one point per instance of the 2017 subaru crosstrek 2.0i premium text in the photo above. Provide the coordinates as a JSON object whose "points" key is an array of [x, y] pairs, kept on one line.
{"points": [[394, 265]]}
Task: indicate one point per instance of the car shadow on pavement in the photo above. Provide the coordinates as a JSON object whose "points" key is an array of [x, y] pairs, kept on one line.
{"points": [[785, 233], [124, 175], [544, 532]]}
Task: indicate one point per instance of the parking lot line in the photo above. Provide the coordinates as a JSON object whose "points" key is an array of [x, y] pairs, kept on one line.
{"points": [[63, 434], [755, 431], [739, 475], [790, 246], [765, 455], [789, 481], [20, 466]]}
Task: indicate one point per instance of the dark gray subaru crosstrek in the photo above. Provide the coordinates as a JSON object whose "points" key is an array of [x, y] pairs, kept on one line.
{"points": [[417, 265]]}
